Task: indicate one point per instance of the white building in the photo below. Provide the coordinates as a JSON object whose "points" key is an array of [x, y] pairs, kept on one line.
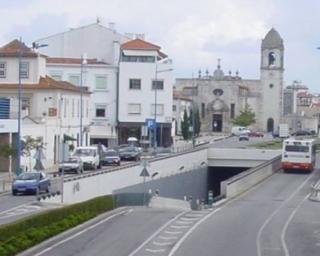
{"points": [[180, 104], [145, 81], [49, 108], [101, 79]]}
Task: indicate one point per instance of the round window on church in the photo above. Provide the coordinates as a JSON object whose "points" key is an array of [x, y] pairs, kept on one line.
{"points": [[271, 86], [217, 92]]}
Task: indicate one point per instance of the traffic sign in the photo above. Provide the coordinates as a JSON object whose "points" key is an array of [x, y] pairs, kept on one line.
{"points": [[144, 173], [150, 122]]}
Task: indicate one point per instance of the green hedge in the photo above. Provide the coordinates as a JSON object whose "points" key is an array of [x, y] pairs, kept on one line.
{"points": [[25, 233]]}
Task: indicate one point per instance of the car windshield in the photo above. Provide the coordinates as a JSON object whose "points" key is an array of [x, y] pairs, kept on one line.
{"points": [[130, 149], [84, 152], [28, 176], [111, 153]]}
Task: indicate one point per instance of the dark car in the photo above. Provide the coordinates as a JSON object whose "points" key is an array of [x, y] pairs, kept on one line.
{"points": [[73, 164], [31, 182], [256, 134], [130, 153], [111, 157], [302, 133]]}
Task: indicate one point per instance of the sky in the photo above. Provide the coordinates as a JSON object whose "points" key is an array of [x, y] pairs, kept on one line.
{"points": [[193, 33]]}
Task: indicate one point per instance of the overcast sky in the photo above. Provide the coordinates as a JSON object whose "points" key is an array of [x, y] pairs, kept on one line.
{"points": [[193, 33]]}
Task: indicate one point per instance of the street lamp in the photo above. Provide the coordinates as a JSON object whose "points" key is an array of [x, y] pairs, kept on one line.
{"points": [[193, 114], [83, 62], [155, 104], [34, 46]]}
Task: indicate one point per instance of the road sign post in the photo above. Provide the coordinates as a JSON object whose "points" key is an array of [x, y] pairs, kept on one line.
{"points": [[144, 173]]}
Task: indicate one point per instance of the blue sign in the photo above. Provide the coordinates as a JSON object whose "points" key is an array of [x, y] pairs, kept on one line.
{"points": [[4, 108], [150, 122]]}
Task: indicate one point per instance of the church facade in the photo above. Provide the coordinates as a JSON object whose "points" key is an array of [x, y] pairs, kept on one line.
{"points": [[220, 97]]}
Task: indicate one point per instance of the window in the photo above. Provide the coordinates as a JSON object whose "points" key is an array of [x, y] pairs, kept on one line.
{"points": [[72, 114], [24, 70], [157, 84], [101, 110], [271, 58], [203, 110], [149, 59], [134, 108], [271, 86], [232, 110], [135, 84], [160, 109], [87, 109], [174, 108], [65, 101], [3, 69], [74, 79], [101, 82], [78, 108]]}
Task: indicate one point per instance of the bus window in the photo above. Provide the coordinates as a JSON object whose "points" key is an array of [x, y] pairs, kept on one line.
{"points": [[297, 148]]}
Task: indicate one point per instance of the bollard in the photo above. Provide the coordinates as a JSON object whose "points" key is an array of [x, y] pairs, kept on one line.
{"points": [[210, 197]]}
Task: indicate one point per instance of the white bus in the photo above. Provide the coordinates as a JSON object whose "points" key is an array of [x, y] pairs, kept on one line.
{"points": [[299, 154]]}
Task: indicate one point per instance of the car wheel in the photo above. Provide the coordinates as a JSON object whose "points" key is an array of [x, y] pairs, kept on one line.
{"points": [[94, 167], [48, 188]]}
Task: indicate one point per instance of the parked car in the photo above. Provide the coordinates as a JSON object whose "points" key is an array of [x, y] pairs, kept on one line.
{"points": [[237, 130], [90, 156], [275, 134], [302, 133], [130, 153], [244, 136], [73, 164], [255, 134], [111, 157], [31, 182]]}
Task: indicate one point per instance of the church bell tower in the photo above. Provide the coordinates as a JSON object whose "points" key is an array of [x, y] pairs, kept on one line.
{"points": [[271, 76]]}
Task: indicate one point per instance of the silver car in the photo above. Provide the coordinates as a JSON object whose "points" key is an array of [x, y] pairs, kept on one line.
{"points": [[73, 164]]}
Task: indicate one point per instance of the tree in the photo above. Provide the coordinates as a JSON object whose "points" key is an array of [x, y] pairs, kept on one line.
{"points": [[185, 126], [7, 150], [197, 123], [30, 144], [246, 117]]}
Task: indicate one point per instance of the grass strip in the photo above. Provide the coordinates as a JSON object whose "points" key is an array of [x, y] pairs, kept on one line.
{"points": [[18, 236]]}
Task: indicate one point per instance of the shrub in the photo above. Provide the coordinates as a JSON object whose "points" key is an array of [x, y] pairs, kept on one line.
{"points": [[25, 233]]}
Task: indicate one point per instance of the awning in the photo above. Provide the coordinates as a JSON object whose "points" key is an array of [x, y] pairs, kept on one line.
{"points": [[68, 138]]}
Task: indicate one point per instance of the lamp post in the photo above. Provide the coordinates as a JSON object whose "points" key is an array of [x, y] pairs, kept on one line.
{"points": [[193, 114], [155, 104], [83, 62]]}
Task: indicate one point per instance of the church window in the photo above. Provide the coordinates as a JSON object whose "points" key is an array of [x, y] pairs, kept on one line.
{"points": [[203, 110], [232, 110], [271, 86], [272, 58]]}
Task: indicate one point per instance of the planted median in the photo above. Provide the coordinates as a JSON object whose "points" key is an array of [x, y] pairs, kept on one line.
{"points": [[25, 233]]}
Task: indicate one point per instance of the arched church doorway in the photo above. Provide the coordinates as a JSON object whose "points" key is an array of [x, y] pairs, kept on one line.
{"points": [[270, 125], [217, 123]]}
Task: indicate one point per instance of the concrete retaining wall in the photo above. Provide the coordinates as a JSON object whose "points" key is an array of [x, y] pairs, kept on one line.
{"points": [[169, 203], [246, 180], [105, 182]]}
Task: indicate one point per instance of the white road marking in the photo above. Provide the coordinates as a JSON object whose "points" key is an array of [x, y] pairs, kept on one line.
{"points": [[178, 244], [80, 232], [16, 207], [155, 250], [161, 243], [157, 232], [189, 219], [183, 222], [178, 227], [284, 230], [173, 232], [168, 237], [194, 215], [258, 238]]}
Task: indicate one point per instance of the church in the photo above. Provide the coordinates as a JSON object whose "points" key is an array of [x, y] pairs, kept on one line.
{"points": [[220, 97]]}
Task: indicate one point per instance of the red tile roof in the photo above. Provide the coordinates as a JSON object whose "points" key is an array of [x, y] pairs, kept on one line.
{"points": [[45, 83], [60, 60], [139, 44], [13, 48]]}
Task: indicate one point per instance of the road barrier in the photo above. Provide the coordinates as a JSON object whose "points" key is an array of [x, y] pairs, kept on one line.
{"points": [[243, 181], [315, 192]]}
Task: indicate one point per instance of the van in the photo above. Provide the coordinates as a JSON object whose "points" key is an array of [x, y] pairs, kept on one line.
{"points": [[90, 156], [237, 130]]}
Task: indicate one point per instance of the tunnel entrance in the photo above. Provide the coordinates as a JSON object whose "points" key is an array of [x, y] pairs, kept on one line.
{"points": [[218, 174]]}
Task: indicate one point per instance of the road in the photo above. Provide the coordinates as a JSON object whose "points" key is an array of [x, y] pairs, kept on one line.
{"points": [[118, 234], [273, 219]]}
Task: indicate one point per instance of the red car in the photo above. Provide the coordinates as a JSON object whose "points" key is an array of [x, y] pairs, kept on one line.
{"points": [[256, 134]]}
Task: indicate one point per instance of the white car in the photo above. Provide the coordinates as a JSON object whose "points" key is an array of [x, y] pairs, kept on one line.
{"points": [[73, 164], [89, 156]]}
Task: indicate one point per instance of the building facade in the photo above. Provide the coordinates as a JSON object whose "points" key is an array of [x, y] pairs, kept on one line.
{"points": [[145, 92], [220, 97]]}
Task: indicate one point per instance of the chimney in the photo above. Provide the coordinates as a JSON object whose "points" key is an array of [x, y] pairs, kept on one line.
{"points": [[112, 26]]}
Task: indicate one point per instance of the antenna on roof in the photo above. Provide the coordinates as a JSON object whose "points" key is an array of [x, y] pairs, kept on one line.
{"points": [[98, 20]]}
